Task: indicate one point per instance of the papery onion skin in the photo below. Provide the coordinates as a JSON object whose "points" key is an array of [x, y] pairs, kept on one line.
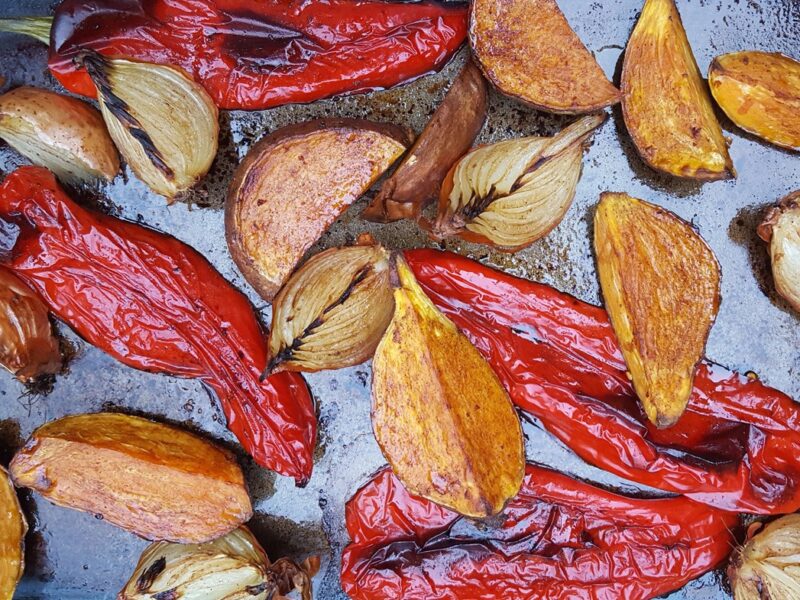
{"points": [[767, 567], [514, 192], [165, 125], [781, 229], [13, 528], [28, 348], [333, 310], [64, 134]]}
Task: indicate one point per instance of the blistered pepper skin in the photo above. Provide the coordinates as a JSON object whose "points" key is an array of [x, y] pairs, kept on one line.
{"points": [[736, 447], [155, 304], [256, 54], [559, 539]]}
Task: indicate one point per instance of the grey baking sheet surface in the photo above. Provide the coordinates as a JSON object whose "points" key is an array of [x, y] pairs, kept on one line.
{"points": [[74, 555]]}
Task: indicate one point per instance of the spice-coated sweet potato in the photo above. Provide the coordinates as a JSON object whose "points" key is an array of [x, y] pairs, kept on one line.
{"points": [[760, 92], [665, 102], [154, 480], [528, 51], [445, 424], [292, 186], [660, 283], [13, 528]]}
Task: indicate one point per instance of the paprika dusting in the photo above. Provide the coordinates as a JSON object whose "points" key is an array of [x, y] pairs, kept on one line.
{"points": [[155, 304], [256, 54], [559, 539], [737, 446]]}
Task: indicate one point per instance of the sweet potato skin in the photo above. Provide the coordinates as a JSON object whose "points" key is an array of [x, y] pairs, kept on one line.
{"points": [[661, 285], [293, 184], [528, 50], [13, 528], [152, 479], [665, 101], [446, 138], [760, 92]]}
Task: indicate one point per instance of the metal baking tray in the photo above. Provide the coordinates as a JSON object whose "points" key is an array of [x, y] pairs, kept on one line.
{"points": [[71, 555]]}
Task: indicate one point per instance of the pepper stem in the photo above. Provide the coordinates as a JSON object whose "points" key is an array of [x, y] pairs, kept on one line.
{"points": [[36, 27]]}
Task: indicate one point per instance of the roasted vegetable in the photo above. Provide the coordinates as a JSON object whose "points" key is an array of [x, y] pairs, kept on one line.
{"points": [[558, 539], [760, 92], [767, 567], [439, 413], [155, 304], [661, 285], [164, 124], [333, 310], [58, 132], [781, 230], [512, 193], [528, 50], [233, 567], [447, 136], [293, 184], [155, 480], [28, 347], [665, 102], [13, 528]]}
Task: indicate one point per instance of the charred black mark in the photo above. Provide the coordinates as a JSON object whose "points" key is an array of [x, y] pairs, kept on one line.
{"points": [[166, 595], [288, 352], [149, 575], [477, 205], [256, 590], [97, 67]]}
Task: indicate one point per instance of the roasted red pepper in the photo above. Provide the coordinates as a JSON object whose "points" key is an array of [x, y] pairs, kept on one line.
{"points": [[154, 303], [255, 54], [736, 447], [559, 539]]}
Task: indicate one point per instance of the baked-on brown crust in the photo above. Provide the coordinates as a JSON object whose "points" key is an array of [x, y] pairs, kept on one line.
{"points": [[665, 101], [294, 184], [152, 479], [446, 138], [527, 49]]}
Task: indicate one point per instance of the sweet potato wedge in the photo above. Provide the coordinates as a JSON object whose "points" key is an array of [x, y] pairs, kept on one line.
{"points": [[527, 49], [665, 102], [155, 480], [13, 528], [660, 282], [294, 184], [760, 92], [443, 420], [446, 138]]}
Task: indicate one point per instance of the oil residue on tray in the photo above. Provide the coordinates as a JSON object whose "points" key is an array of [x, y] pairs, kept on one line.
{"points": [[73, 555]]}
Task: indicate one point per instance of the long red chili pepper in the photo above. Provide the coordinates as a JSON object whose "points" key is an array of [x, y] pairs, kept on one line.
{"points": [[255, 54], [736, 447], [156, 304], [559, 539]]}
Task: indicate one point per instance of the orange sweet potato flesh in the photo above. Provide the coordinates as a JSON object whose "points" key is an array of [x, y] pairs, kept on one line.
{"points": [[294, 184], [665, 101], [760, 92], [155, 480], [527, 49], [660, 282], [13, 528], [443, 420], [446, 138]]}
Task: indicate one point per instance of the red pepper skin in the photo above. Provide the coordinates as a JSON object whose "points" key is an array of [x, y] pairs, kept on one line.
{"points": [[737, 446], [156, 304], [256, 54], [559, 539]]}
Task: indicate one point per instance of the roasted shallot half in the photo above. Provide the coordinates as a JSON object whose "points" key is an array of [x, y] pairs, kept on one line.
{"points": [[233, 567], [441, 417], [781, 230], [28, 347], [164, 124], [13, 528], [333, 310], [64, 134], [514, 192]]}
